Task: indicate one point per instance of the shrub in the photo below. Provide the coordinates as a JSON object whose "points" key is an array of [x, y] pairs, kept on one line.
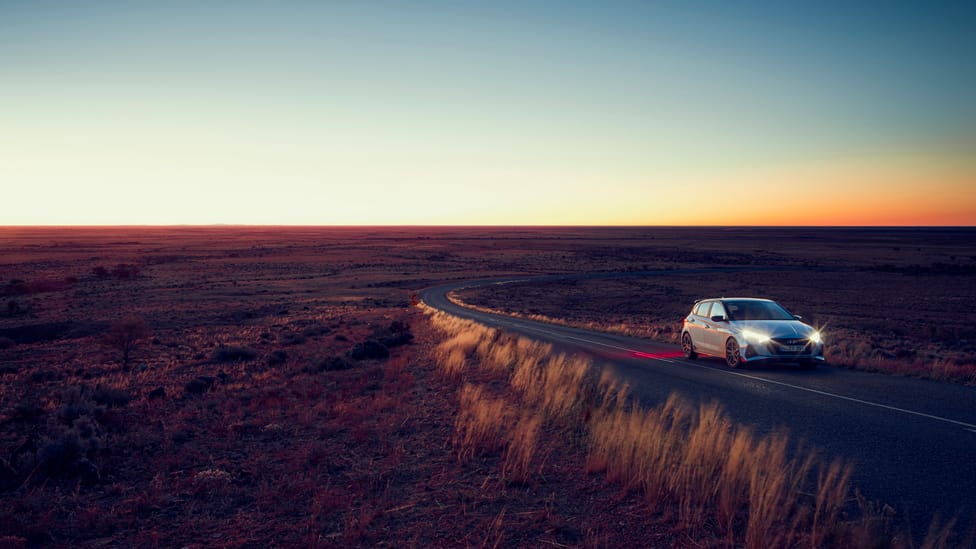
{"points": [[277, 357], [291, 338], [57, 456], [329, 365], [396, 334], [42, 376], [29, 409], [316, 329], [227, 353], [126, 271], [64, 456], [110, 397], [16, 287], [126, 336], [199, 385], [369, 349], [70, 412]]}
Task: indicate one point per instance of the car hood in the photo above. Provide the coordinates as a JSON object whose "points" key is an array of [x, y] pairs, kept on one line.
{"points": [[776, 328]]}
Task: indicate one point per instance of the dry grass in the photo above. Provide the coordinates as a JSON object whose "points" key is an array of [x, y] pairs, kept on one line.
{"points": [[523, 447], [716, 480], [481, 422]]}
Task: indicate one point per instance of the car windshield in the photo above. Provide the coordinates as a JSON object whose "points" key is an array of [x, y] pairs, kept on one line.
{"points": [[756, 310]]}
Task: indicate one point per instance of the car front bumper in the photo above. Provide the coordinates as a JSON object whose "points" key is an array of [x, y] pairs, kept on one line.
{"points": [[774, 352]]}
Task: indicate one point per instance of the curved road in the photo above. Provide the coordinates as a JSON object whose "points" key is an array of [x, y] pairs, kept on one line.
{"points": [[912, 441]]}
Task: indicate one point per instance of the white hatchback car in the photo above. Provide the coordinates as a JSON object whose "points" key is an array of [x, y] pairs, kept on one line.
{"points": [[745, 330]]}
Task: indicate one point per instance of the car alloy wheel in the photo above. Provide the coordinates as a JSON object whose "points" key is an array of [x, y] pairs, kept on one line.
{"points": [[688, 347], [732, 356]]}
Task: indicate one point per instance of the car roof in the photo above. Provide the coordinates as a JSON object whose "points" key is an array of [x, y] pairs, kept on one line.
{"points": [[732, 299]]}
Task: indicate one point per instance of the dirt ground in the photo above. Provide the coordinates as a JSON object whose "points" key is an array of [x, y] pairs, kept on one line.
{"points": [[241, 386]]}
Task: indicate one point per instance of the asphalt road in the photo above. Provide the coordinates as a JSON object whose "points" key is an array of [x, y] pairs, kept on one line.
{"points": [[912, 441]]}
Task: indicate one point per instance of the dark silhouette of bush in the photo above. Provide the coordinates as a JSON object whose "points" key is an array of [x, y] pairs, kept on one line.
{"points": [[29, 410], [233, 353], [65, 457], [126, 271], [291, 338], [277, 357], [369, 349], [57, 456], [199, 385], [314, 330], [331, 364], [6, 343], [396, 334], [68, 413], [44, 376], [126, 336], [110, 397], [101, 272], [16, 287]]}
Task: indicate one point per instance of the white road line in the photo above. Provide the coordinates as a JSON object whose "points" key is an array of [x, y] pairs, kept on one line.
{"points": [[968, 426]]}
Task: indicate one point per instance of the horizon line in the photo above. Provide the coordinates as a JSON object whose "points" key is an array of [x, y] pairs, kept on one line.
{"points": [[473, 226]]}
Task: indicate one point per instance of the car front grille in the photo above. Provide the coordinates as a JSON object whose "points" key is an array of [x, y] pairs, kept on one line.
{"points": [[791, 346]]}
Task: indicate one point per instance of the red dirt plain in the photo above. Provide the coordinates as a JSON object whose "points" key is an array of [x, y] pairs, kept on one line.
{"points": [[241, 419]]}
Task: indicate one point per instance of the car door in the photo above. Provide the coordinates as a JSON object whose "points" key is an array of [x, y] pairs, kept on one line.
{"points": [[717, 330], [698, 325]]}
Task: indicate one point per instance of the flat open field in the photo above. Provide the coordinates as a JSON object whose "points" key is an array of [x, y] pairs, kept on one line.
{"points": [[222, 387]]}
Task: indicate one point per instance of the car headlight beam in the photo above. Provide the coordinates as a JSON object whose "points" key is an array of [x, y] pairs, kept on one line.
{"points": [[815, 337]]}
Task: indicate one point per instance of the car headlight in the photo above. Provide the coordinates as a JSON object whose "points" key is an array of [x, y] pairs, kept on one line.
{"points": [[756, 337], [815, 337]]}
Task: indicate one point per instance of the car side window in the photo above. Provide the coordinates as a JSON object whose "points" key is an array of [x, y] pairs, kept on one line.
{"points": [[718, 310], [702, 308]]}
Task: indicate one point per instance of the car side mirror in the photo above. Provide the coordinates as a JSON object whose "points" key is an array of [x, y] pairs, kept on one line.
{"points": [[718, 318], [798, 317]]}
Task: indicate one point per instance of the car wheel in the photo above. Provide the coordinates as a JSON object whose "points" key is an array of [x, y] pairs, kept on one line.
{"points": [[688, 347], [732, 356]]}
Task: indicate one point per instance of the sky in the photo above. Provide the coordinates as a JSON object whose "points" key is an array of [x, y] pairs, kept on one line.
{"points": [[487, 113]]}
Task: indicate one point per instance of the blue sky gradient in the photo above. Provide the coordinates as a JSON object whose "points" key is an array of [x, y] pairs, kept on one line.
{"points": [[487, 112]]}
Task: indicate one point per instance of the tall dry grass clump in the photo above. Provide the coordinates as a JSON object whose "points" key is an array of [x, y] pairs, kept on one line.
{"points": [[713, 472], [463, 337], [556, 386], [481, 421], [522, 448]]}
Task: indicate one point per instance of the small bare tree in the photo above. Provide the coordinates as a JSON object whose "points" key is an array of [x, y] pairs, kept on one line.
{"points": [[125, 336]]}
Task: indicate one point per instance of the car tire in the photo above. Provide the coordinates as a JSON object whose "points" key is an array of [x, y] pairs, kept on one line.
{"points": [[688, 346], [733, 358]]}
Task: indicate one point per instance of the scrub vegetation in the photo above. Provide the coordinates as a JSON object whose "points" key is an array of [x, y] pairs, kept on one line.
{"points": [[252, 387]]}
